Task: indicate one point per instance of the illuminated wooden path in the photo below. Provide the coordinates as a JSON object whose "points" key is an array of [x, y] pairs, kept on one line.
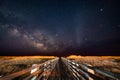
{"points": [[61, 69]]}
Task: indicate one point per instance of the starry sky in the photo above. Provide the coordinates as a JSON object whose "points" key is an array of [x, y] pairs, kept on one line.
{"points": [[59, 27]]}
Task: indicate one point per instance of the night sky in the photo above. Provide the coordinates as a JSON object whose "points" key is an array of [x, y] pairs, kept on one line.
{"points": [[59, 27]]}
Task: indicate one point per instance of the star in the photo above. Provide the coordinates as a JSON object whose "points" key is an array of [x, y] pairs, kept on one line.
{"points": [[86, 39], [101, 9], [56, 35]]}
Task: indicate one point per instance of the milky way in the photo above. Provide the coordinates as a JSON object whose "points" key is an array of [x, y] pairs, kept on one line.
{"points": [[58, 27]]}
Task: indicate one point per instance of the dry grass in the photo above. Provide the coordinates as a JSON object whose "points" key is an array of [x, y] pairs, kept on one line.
{"points": [[13, 64], [109, 63]]}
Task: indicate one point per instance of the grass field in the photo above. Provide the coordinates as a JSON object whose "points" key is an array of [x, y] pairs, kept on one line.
{"points": [[11, 64], [109, 63]]}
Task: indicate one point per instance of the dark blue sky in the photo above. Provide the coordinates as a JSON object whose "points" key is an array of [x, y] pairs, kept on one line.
{"points": [[48, 27]]}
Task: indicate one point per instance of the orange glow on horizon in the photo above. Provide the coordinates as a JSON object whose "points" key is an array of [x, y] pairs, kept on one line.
{"points": [[44, 57], [74, 56]]}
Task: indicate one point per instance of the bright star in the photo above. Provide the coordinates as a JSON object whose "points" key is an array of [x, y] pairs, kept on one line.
{"points": [[101, 9]]}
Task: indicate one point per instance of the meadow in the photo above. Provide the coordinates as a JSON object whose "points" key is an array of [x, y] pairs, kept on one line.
{"points": [[11, 64]]}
